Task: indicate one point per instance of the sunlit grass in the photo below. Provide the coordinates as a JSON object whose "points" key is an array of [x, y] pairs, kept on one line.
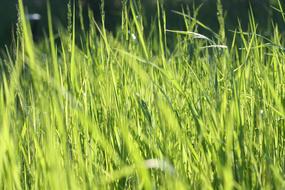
{"points": [[126, 111]]}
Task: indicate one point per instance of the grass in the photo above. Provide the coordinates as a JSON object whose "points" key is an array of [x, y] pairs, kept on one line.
{"points": [[169, 110]]}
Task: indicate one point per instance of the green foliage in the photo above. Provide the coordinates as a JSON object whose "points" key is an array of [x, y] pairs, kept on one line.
{"points": [[173, 110]]}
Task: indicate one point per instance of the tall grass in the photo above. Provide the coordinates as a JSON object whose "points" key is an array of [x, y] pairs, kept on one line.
{"points": [[126, 111]]}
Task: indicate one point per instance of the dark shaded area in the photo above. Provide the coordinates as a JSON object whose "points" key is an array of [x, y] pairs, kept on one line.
{"points": [[234, 10], [8, 17]]}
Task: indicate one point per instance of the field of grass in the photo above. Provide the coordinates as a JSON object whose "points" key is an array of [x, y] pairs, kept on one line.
{"points": [[170, 109]]}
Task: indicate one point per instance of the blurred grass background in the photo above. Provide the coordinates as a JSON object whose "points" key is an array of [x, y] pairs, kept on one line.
{"points": [[235, 10]]}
